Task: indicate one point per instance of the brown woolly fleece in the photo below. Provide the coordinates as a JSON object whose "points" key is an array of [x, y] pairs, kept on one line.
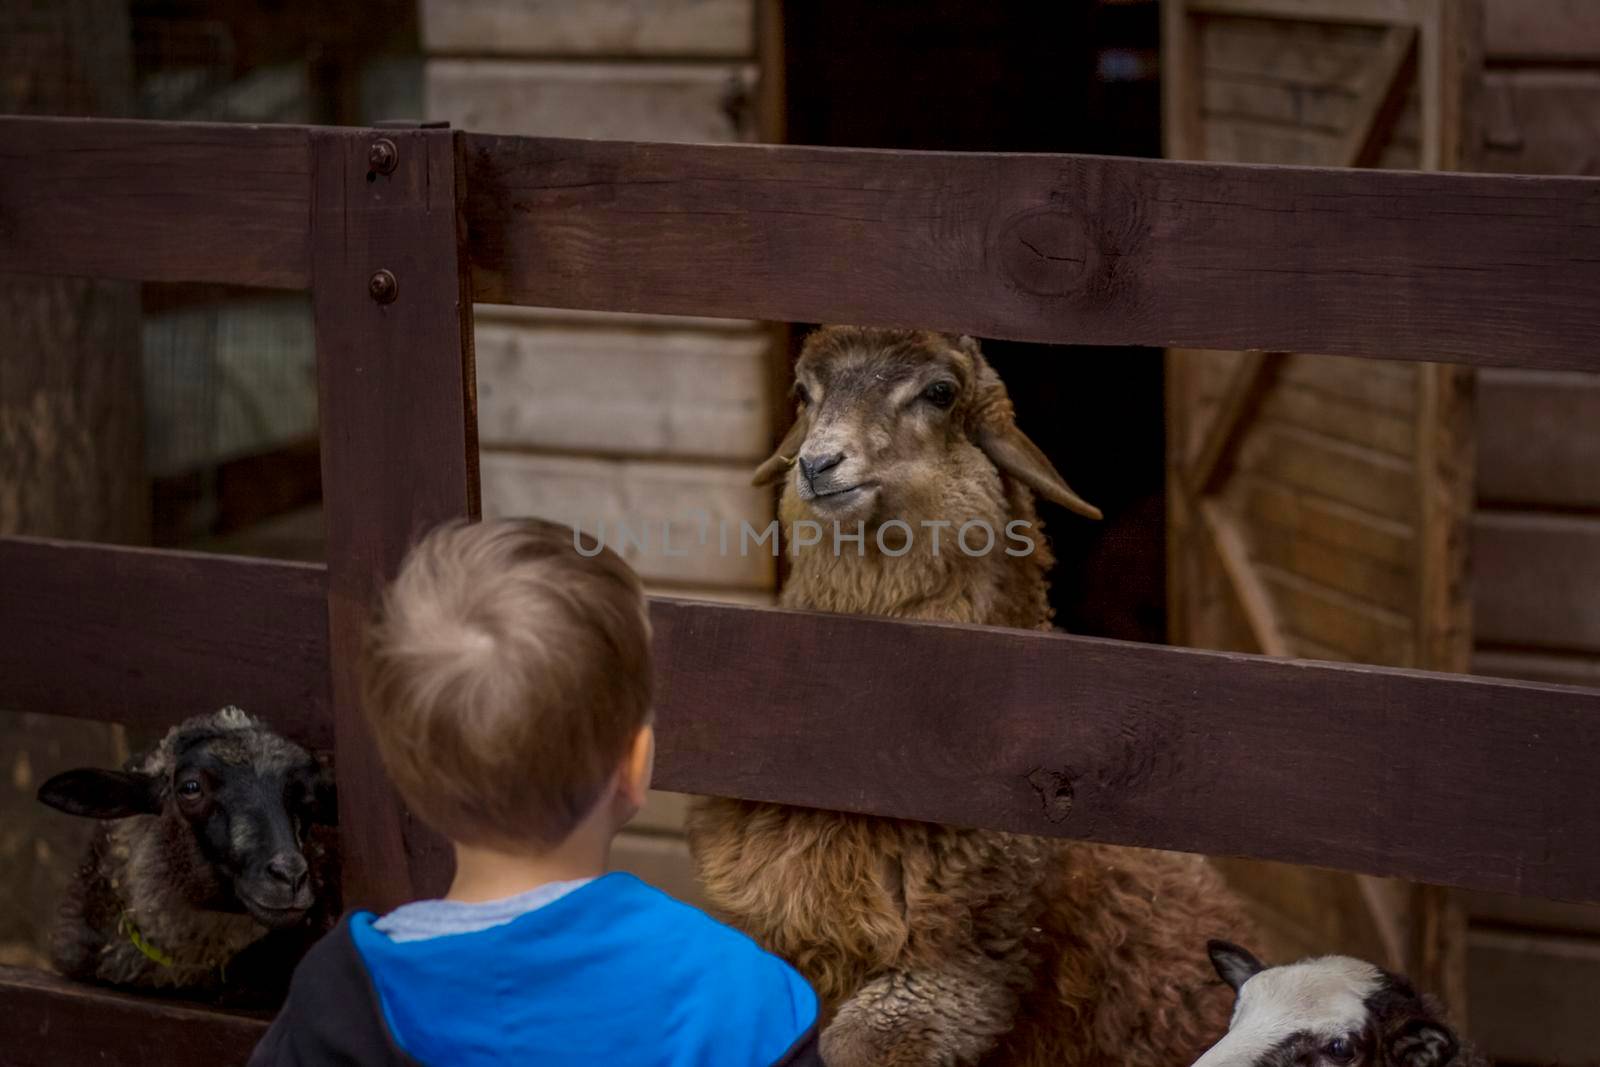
{"points": [[939, 945]]}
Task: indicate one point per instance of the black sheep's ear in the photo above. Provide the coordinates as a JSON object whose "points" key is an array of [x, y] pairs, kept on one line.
{"points": [[101, 794], [1234, 965], [1424, 1043]]}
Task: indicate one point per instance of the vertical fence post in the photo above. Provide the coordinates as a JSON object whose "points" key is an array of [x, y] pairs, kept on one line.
{"points": [[399, 437]]}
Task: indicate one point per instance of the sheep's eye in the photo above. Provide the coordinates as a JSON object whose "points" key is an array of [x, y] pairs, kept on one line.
{"points": [[940, 394], [1340, 1050], [189, 787], [801, 393]]}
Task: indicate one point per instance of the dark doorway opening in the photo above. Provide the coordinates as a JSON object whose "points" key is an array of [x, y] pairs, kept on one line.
{"points": [[1056, 76]]}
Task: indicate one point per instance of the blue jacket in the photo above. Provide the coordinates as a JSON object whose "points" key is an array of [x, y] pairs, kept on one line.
{"points": [[613, 973]]}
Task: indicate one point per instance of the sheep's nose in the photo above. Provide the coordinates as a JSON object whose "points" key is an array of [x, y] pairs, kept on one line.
{"points": [[811, 466], [290, 869]]}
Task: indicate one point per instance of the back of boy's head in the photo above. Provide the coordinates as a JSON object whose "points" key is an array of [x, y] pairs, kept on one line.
{"points": [[506, 678]]}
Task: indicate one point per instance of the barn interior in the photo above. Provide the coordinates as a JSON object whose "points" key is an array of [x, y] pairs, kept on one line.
{"points": [[201, 431]]}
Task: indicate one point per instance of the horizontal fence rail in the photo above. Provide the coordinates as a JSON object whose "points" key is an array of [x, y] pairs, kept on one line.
{"points": [[1452, 780], [1482, 269], [48, 1022], [1436, 778], [1489, 270], [156, 202], [148, 637]]}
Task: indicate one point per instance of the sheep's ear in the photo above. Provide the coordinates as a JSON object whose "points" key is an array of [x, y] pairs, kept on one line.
{"points": [[993, 428], [1009, 449], [99, 794], [781, 460], [1424, 1043], [1234, 965]]}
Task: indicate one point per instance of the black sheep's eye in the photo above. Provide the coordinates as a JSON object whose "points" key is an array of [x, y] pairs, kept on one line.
{"points": [[940, 394], [189, 787], [801, 393], [1340, 1050]]}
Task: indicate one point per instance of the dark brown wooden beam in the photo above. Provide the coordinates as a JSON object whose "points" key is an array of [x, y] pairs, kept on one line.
{"points": [[149, 637], [155, 202], [399, 444], [1436, 778], [1071, 249], [48, 1021]]}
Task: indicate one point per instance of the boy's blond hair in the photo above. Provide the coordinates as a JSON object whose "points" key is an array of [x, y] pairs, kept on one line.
{"points": [[506, 678]]}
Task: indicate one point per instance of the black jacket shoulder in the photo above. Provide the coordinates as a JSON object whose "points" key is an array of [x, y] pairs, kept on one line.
{"points": [[332, 1015]]}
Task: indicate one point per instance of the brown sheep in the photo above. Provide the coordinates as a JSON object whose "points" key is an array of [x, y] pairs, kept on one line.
{"points": [[931, 944]]}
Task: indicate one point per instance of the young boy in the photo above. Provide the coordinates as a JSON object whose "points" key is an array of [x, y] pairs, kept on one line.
{"points": [[507, 683]]}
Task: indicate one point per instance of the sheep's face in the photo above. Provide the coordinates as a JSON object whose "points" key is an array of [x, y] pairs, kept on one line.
{"points": [[250, 805], [1328, 1012], [237, 798], [900, 424]]}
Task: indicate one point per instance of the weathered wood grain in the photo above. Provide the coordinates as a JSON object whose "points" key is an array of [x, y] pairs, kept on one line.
{"points": [[631, 101], [1341, 418], [399, 445], [1537, 580], [697, 28], [1375, 482], [1544, 30], [1542, 120], [1533, 996], [1443, 779], [1328, 615], [157, 202], [703, 509], [149, 637], [1383, 387], [623, 390], [49, 1021], [1484, 270], [1321, 56], [1559, 668], [1380, 11], [1333, 566]]}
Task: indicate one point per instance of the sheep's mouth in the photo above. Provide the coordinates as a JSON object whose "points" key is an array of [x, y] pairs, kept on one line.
{"points": [[275, 916], [843, 495]]}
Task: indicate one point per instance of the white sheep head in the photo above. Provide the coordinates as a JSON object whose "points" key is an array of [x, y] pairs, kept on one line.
{"points": [[1333, 1011]]}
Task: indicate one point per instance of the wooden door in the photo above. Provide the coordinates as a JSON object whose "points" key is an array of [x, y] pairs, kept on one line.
{"points": [[1318, 506]]}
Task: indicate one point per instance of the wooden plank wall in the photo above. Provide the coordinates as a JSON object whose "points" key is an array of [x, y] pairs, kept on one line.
{"points": [[1298, 525], [594, 418], [1536, 529]]}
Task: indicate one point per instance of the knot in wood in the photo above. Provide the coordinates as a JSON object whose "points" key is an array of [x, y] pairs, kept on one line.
{"points": [[1046, 251], [1055, 793]]}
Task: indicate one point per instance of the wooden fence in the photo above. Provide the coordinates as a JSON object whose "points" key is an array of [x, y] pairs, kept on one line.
{"points": [[1439, 778]]}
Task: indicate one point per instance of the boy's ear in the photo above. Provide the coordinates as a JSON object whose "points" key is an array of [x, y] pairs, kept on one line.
{"points": [[638, 767], [1234, 965], [101, 794]]}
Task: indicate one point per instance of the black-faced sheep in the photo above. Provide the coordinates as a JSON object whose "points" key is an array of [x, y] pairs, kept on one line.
{"points": [[211, 872], [933, 944], [1333, 1011]]}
